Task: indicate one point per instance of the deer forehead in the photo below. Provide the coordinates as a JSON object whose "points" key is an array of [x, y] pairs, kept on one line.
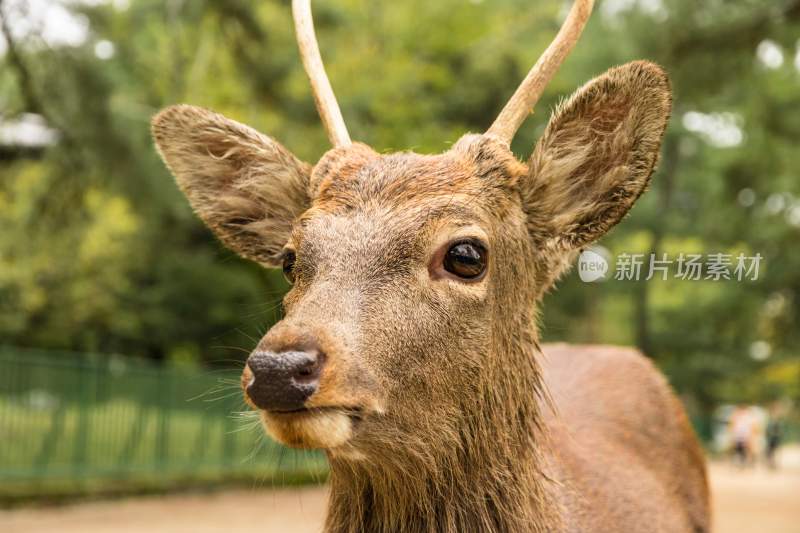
{"points": [[477, 169], [393, 209], [377, 235]]}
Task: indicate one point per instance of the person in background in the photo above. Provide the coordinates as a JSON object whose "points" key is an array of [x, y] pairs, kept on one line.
{"points": [[774, 437], [741, 427]]}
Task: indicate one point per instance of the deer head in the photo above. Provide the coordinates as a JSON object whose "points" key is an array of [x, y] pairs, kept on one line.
{"points": [[409, 330]]}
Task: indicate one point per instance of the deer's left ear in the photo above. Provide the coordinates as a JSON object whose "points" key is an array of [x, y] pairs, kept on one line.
{"points": [[596, 156], [246, 187]]}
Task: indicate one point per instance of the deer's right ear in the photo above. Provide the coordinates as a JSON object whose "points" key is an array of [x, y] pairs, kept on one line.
{"points": [[596, 156], [245, 186]]}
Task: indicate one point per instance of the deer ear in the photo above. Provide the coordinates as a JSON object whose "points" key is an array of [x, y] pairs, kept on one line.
{"points": [[245, 186], [596, 155]]}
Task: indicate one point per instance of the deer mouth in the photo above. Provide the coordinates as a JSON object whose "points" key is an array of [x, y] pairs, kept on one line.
{"points": [[355, 413], [326, 427]]}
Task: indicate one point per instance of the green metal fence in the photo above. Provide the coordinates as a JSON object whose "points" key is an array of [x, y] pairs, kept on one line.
{"points": [[71, 421]]}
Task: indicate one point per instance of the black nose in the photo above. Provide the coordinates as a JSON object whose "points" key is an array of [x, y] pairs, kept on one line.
{"points": [[283, 381]]}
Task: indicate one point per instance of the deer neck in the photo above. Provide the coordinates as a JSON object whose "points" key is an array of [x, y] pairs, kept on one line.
{"points": [[491, 480]]}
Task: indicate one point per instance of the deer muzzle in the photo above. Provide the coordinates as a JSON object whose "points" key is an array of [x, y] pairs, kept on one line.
{"points": [[282, 382], [309, 391]]}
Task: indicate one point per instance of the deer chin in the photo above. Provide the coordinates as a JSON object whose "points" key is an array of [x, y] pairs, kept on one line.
{"points": [[317, 428]]}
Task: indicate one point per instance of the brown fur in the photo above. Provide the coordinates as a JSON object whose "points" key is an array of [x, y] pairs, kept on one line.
{"points": [[611, 402], [433, 405]]}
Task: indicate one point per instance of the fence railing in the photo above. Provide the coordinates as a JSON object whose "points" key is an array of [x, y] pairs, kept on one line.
{"points": [[67, 418]]}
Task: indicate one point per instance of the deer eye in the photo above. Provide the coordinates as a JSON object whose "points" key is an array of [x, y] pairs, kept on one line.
{"points": [[466, 259], [288, 265]]}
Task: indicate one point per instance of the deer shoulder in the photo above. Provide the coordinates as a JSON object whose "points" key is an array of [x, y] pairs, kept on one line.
{"points": [[618, 432]]}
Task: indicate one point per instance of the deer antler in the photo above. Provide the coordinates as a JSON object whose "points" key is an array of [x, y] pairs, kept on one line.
{"points": [[530, 90], [324, 98]]}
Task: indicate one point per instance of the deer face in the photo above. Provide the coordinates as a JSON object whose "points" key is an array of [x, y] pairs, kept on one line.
{"points": [[391, 251], [411, 273]]}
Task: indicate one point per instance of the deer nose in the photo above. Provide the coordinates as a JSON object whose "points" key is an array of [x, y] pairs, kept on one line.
{"points": [[283, 381]]}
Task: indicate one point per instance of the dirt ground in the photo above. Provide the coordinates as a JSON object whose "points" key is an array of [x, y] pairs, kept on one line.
{"points": [[755, 501], [746, 501]]}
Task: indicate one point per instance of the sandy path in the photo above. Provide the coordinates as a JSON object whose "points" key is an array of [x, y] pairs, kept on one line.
{"points": [[744, 501], [755, 501], [246, 511]]}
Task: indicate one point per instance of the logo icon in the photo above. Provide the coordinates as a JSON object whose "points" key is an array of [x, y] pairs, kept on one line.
{"points": [[593, 264]]}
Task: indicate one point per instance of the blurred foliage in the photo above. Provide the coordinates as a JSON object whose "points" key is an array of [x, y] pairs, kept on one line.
{"points": [[98, 250]]}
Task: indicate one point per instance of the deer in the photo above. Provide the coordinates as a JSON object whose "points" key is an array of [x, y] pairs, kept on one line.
{"points": [[409, 350]]}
